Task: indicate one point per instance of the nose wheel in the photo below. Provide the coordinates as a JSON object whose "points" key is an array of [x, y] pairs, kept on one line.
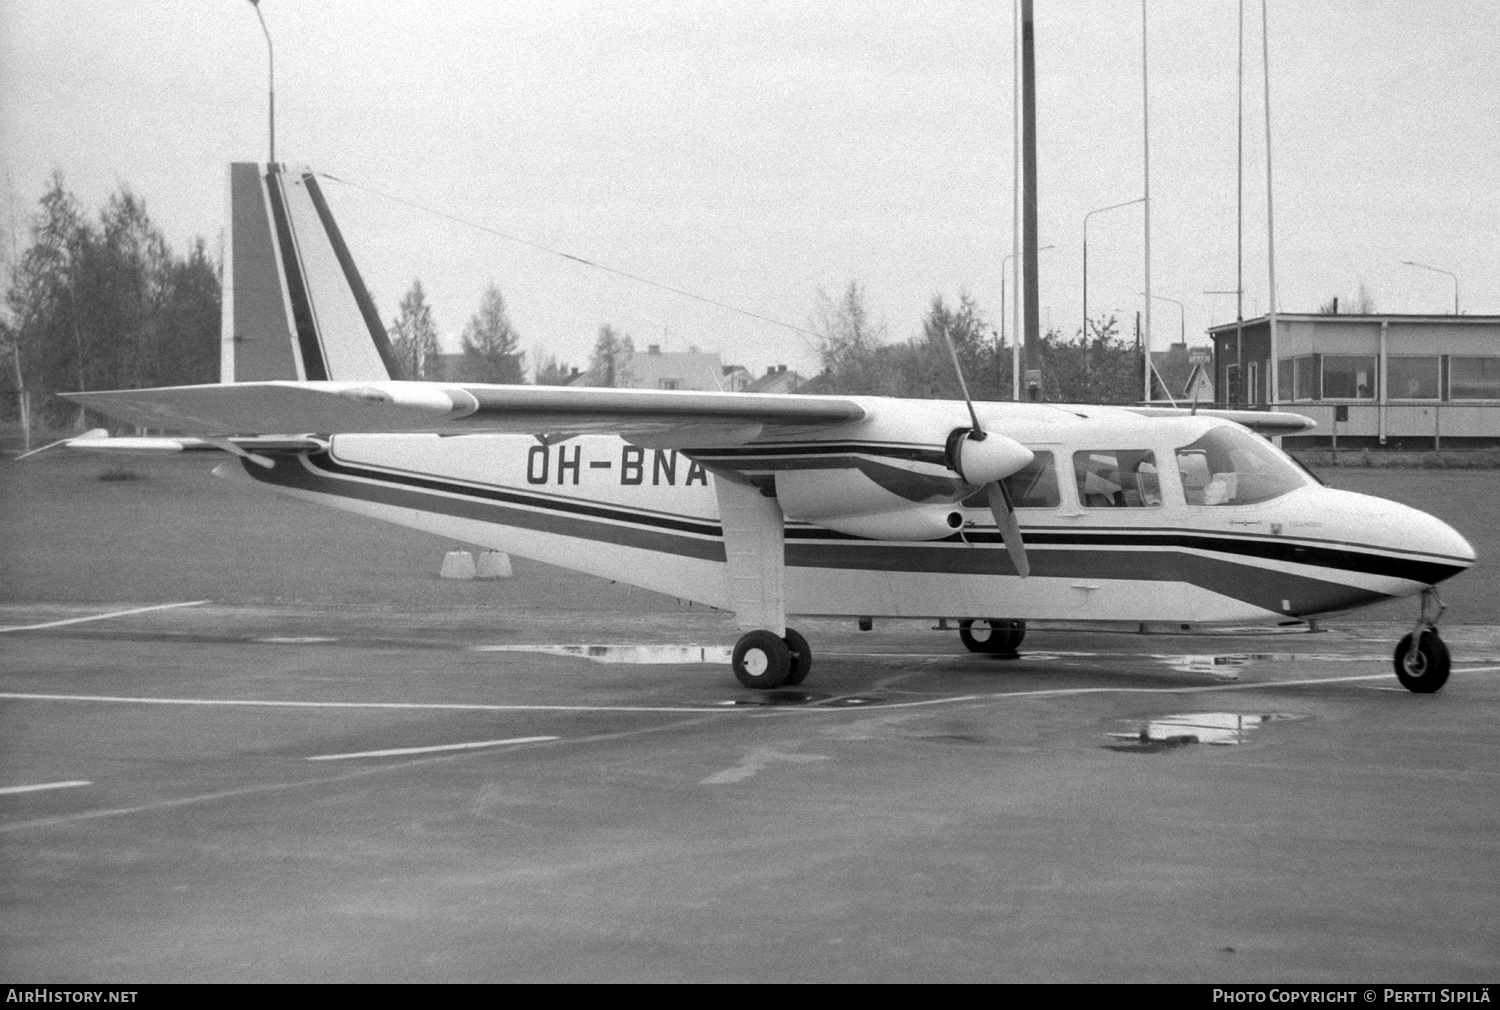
{"points": [[763, 661], [1421, 657]]}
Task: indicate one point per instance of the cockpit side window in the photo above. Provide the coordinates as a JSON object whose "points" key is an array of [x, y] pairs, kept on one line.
{"points": [[1228, 466], [1117, 478], [1034, 486]]}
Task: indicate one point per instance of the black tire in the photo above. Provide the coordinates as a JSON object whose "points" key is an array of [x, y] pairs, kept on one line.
{"points": [[993, 637], [801, 659], [1423, 670], [761, 660]]}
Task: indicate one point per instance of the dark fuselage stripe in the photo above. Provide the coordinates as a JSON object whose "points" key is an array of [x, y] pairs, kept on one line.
{"points": [[751, 456], [1163, 562], [494, 507], [1287, 551]]}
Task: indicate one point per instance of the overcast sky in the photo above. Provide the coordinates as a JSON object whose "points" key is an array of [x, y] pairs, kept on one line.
{"points": [[753, 152]]}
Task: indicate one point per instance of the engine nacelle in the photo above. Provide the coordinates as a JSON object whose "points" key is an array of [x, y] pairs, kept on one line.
{"points": [[924, 522], [821, 495]]}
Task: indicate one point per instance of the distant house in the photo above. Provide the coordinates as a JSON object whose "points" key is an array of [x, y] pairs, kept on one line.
{"points": [[444, 367], [1183, 374], [778, 379], [737, 378], [658, 369]]}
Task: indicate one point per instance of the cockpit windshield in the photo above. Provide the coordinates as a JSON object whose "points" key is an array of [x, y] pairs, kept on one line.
{"points": [[1228, 466]]}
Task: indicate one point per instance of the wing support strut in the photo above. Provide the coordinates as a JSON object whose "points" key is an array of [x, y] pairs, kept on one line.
{"points": [[755, 556]]}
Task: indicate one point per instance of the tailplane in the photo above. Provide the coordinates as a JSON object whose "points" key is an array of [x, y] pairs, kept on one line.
{"points": [[295, 306]]}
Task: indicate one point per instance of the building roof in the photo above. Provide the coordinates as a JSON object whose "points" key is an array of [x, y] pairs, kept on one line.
{"points": [[778, 379], [658, 369], [1418, 318]]}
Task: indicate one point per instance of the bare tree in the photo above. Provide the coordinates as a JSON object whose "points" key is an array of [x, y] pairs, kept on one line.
{"points": [[413, 333], [610, 363]]}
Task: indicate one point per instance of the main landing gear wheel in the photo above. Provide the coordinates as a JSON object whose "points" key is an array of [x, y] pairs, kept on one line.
{"points": [[1422, 662], [762, 661], [801, 658], [991, 637]]}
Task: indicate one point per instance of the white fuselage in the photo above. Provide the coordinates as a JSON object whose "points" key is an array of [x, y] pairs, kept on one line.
{"points": [[649, 517]]}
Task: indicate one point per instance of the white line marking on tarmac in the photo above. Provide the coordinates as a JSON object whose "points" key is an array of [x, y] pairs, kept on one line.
{"points": [[403, 751], [102, 617], [390, 705], [1060, 692], [12, 790]]}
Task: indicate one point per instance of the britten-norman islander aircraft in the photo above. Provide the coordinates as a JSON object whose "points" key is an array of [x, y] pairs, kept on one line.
{"points": [[994, 515]]}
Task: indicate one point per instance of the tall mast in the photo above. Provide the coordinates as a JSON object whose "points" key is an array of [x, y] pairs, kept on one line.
{"points": [[1015, 201], [1239, 224], [1028, 196], [1270, 209], [1146, 148]]}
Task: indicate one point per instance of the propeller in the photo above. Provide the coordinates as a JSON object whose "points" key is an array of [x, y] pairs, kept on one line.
{"points": [[985, 458]]}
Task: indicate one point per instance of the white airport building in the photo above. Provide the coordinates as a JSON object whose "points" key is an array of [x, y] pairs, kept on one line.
{"points": [[1379, 380]]}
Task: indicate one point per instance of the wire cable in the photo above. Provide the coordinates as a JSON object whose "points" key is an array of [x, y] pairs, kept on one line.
{"points": [[569, 256]]}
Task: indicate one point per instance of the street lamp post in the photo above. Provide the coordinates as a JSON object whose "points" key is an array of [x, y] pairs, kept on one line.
{"points": [[271, 59], [1450, 273], [1101, 210]]}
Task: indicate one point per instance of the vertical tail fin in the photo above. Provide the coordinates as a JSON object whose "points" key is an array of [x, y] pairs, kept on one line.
{"points": [[295, 306]]}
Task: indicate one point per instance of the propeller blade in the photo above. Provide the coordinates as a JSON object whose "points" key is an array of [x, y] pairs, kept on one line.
{"points": [[1010, 530]]}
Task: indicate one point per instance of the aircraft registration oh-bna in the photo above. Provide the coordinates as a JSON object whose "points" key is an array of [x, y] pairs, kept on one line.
{"points": [[993, 515]]}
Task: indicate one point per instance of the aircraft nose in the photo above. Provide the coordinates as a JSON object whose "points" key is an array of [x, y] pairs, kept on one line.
{"points": [[1433, 550], [1434, 536]]}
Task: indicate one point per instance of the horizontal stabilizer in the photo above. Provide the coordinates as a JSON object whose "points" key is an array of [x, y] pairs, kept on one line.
{"points": [[154, 445]]}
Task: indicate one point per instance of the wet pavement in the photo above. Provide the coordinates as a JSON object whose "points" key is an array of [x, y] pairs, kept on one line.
{"points": [[318, 793]]}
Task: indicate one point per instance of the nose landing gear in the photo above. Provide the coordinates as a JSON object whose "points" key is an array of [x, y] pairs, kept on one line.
{"points": [[1421, 657]]}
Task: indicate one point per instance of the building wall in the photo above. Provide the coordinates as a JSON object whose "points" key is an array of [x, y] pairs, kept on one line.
{"points": [[1436, 379]]}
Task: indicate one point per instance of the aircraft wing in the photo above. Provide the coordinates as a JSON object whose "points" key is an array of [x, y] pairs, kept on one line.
{"points": [[673, 417], [1263, 422]]}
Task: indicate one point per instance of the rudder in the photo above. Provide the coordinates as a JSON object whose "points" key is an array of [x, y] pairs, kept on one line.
{"points": [[295, 306]]}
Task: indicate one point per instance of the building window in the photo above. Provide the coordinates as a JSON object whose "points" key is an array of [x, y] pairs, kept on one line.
{"points": [[1412, 378], [1286, 383], [1348, 377], [1474, 378], [1253, 385], [1233, 393], [1307, 378]]}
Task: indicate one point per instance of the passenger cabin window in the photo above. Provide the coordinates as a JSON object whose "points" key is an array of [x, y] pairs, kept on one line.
{"points": [[1117, 478], [1228, 466], [1034, 486]]}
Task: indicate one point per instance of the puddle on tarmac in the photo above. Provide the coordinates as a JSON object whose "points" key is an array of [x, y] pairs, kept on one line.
{"points": [[1224, 729], [765, 699], [1227, 665], [652, 655], [294, 640]]}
